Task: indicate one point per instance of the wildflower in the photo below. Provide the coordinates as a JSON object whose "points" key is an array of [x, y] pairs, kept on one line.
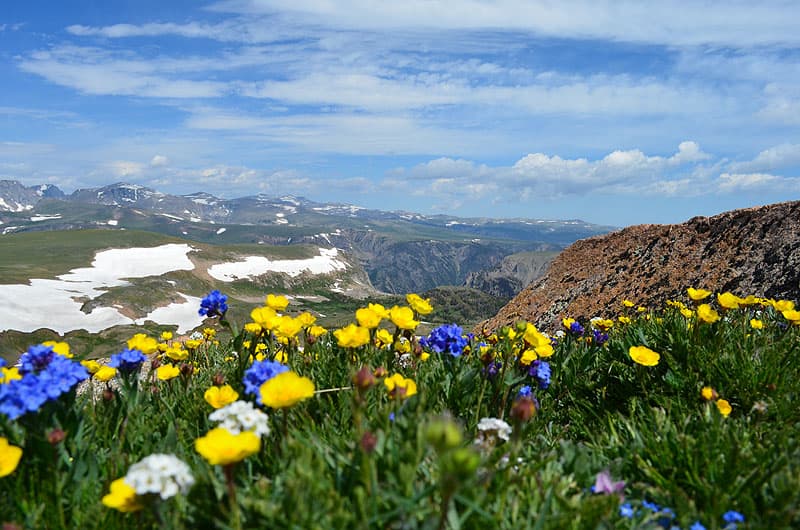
{"points": [[624, 320], [686, 312], [288, 327], [494, 428], [36, 359], [127, 361], [528, 356], [61, 348], [221, 447], [176, 353], [286, 389], [540, 370], [105, 373], [367, 318], [419, 304], [253, 328], [166, 336], [122, 497], [525, 406], [448, 338], [626, 510], [603, 324], [316, 331], [209, 333], [278, 303], [697, 526], [164, 475], [91, 366], [783, 305], [707, 314], [627, 303], [724, 407], [219, 396], [214, 304], [260, 372], [492, 369], [165, 372], [9, 374], [697, 294], [403, 317], [599, 337], [383, 337], [728, 300], [643, 355], [352, 336], [732, 517], [708, 393], [143, 343], [400, 387], [10, 456], [603, 484], [241, 416], [756, 323], [792, 315]]}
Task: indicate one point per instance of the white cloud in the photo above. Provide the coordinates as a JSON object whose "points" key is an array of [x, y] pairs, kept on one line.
{"points": [[732, 182], [125, 168], [777, 157], [159, 161]]}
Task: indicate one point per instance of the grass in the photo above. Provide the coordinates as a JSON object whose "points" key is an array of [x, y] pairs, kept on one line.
{"points": [[354, 455]]}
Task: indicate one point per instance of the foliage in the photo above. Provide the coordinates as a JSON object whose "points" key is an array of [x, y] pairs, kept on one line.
{"points": [[392, 434]]}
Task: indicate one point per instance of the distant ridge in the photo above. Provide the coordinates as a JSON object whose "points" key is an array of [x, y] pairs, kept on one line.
{"points": [[748, 251]]}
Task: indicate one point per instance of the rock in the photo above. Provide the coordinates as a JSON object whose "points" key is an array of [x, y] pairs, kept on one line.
{"points": [[750, 251]]}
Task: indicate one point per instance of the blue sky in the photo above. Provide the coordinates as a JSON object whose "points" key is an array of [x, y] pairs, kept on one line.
{"points": [[619, 113]]}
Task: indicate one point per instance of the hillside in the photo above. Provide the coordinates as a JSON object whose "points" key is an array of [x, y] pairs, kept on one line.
{"points": [[748, 251]]}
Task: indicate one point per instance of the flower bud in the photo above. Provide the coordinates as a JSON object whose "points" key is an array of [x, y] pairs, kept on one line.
{"points": [[56, 436], [443, 434], [187, 370], [218, 379], [368, 442], [363, 379], [380, 372], [523, 409]]}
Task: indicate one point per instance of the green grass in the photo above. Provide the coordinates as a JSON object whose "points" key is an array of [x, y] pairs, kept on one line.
{"points": [[357, 458]]}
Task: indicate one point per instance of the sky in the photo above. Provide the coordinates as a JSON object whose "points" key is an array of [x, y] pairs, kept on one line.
{"points": [[614, 112]]}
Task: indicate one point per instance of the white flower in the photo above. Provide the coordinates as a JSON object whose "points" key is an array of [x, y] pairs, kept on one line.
{"points": [[241, 416], [160, 474], [495, 426], [405, 360]]}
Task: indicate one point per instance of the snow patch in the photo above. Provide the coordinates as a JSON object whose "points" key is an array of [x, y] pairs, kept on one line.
{"points": [[184, 314], [221, 230], [253, 266], [112, 222], [37, 218]]}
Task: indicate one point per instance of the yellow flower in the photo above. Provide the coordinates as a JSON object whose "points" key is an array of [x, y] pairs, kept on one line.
{"points": [[192, 344], [603, 324], [59, 347], [253, 328], [534, 337], [316, 331], [306, 319], [166, 335], [122, 497], [528, 356], [402, 345], [105, 373], [724, 407], [288, 327], [756, 324], [143, 343], [368, 318], [567, 322], [176, 353], [278, 303], [209, 333], [285, 390], [420, 305], [544, 350], [708, 393], [9, 374], [627, 303], [750, 300], [783, 305], [266, 317], [220, 447], [403, 317], [644, 355], [792, 315], [707, 314], [9, 457], [383, 337], [624, 320], [400, 387], [697, 294], [686, 312], [641, 309], [352, 336], [165, 372], [378, 309], [219, 396], [728, 300]]}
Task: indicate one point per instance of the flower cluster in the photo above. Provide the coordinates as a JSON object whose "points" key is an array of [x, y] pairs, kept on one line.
{"points": [[157, 475], [448, 338], [43, 376], [127, 361], [540, 371], [214, 304], [491, 431], [241, 416]]}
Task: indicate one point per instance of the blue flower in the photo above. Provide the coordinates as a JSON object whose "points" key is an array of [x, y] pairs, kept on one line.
{"points": [[446, 338], [258, 373], [697, 526], [214, 304], [732, 517], [600, 338], [3, 363], [127, 361], [576, 328], [525, 391], [626, 510], [540, 370], [653, 507], [492, 369], [49, 376], [36, 359]]}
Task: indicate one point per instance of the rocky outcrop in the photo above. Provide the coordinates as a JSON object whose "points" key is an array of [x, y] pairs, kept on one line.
{"points": [[512, 274], [750, 251]]}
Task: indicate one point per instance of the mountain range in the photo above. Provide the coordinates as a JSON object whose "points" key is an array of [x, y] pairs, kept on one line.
{"points": [[400, 251]]}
